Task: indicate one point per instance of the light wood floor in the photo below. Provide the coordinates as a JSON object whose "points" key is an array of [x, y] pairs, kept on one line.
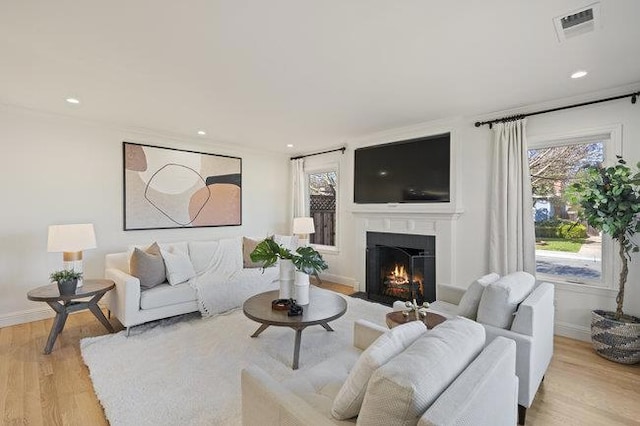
{"points": [[580, 388]]}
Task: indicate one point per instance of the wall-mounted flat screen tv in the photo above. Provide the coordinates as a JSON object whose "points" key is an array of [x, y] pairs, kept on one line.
{"points": [[409, 171]]}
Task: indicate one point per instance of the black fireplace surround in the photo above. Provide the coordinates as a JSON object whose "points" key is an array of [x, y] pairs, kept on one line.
{"points": [[400, 267]]}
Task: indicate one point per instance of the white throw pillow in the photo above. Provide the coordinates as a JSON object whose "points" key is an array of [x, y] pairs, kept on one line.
{"points": [[349, 399], [468, 306], [400, 391], [500, 299], [179, 267]]}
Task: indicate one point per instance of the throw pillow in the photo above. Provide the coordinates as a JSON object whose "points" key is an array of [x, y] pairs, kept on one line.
{"points": [[468, 306], [179, 267], [401, 390], [500, 300], [349, 399], [148, 266], [249, 245]]}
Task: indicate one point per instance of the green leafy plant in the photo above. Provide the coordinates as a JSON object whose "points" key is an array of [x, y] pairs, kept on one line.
{"points": [[610, 201], [65, 275], [305, 259]]}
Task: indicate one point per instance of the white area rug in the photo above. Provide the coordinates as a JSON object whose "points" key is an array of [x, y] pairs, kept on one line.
{"points": [[187, 372]]}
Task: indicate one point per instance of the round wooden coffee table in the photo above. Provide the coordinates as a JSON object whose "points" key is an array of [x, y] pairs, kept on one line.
{"points": [[430, 320], [324, 306], [65, 304]]}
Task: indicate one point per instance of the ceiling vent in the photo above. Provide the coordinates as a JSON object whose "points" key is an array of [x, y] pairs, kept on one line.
{"points": [[578, 22]]}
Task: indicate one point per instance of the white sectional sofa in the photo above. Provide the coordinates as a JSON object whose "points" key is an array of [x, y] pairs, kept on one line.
{"points": [[220, 261], [443, 376], [516, 307]]}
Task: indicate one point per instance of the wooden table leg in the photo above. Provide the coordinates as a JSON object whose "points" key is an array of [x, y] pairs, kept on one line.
{"points": [[93, 307], [262, 328], [57, 326], [326, 326], [296, 348]]}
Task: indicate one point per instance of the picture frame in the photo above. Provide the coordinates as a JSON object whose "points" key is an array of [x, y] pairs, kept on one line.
{"points": [[167, 188]]}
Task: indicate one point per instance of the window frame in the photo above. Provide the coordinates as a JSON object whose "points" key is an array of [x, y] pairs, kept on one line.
{"points": [[324, 167], [612, 146]]}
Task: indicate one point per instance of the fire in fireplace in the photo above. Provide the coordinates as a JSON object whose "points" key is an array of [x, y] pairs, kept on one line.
{"points": [[400, 267]]}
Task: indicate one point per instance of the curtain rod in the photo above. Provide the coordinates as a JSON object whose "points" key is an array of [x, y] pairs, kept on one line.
{"points": [[318, 153], [634, 97]]}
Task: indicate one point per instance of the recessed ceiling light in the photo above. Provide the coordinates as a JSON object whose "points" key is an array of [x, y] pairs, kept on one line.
{"points": [[72, 100], [579, 74], [289, 145], [202, 132]]}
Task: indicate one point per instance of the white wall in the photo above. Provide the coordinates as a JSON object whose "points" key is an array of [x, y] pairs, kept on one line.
{"points": [[57, 170], [474, 150]]}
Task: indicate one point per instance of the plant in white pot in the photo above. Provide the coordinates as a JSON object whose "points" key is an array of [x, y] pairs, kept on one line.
{"points": [[305, 260], [609, 198]]}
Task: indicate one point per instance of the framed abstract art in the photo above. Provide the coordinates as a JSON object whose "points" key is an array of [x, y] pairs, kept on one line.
{"points": [[170, 188]]}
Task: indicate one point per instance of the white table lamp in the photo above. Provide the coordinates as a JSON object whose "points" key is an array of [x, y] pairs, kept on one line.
{"points": [[302, 227], [71, 240]]}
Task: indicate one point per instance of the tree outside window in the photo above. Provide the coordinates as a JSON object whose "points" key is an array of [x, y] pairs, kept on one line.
{"points": [[322, 206], [565, 248]]}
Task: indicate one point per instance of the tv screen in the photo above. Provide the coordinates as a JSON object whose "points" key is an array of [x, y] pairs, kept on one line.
{"points": [[410, 171]]}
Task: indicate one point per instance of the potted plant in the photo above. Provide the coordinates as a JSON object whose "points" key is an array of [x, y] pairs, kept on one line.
{"points": [[305, 260], [67, 280], [610, 201]]}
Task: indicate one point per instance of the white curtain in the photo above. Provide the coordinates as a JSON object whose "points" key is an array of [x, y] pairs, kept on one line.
{"points": [[299, 188], [511, 231]]}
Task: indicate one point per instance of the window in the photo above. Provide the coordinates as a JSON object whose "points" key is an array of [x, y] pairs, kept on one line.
{"points": [[323, 186], [567, 249]]}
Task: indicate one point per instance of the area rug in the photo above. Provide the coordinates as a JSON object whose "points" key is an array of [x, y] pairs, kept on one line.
{"points": [[187, 371]]}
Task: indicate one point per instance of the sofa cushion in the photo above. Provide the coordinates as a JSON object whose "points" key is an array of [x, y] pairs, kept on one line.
{"points": [[319, 385], [500, 299], [468, 306], [248, 246], [349, 400], [165, 295], [148, 266], [401, 390], [178, 266]]}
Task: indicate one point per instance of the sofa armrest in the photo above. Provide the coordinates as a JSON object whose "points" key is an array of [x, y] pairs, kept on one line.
{"points": [[365, 333], [266, 402], [535, 314], [533, 356], [124, 301], [485, 393], [449, 293]]}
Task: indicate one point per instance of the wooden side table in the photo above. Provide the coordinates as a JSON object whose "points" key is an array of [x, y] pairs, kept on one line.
{"points": [[64, 305], [430, 320]]}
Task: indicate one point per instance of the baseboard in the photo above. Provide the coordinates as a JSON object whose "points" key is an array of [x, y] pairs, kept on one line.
{"points": [[573, 331], [339, 279], [28, 315], [36, 314]]}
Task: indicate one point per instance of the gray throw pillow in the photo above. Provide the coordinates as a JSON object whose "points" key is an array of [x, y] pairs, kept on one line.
{"points": [[148, 266]]}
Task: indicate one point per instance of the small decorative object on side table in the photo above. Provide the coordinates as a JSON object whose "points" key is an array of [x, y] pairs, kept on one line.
{"points": [[414, 313], [64, 304]]}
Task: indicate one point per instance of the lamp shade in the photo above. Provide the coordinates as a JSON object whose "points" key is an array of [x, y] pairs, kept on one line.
{"points": [[71, 238], [303, 225]]}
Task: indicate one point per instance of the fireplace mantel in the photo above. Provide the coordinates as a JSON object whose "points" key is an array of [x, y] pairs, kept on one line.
{"points": [[440, 223]]}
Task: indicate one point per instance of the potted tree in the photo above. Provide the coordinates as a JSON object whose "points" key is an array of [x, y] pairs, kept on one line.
{"points": [[67, 280], [609, 198], [305, 260]]}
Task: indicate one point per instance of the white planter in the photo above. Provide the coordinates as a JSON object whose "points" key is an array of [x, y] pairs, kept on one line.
{"points": [[302, 288], [286, 279]]}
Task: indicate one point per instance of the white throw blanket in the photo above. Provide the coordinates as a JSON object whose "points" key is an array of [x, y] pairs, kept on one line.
{"points": [[221, 283], [188, 372]]}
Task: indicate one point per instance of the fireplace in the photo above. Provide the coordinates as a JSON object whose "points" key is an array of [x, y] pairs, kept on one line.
{"points": [[400, 267]]}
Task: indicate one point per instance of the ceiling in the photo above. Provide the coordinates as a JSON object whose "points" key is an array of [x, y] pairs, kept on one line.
{"points": [[312, 73]]}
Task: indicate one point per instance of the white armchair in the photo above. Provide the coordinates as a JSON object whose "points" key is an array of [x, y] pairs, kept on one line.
{"points": [[483, 393], [531, 329]]}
